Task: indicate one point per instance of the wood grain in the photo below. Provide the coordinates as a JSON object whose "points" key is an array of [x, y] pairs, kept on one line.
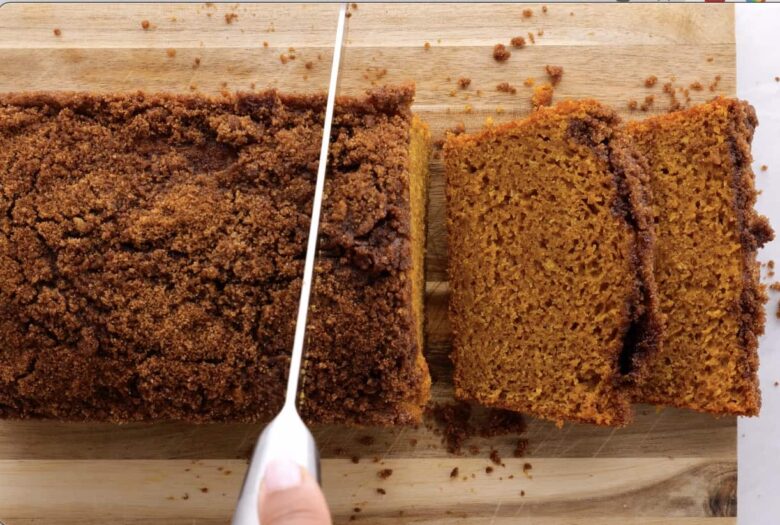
{"points": [[668, 467]]}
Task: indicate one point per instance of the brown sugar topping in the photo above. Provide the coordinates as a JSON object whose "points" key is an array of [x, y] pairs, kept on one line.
{"points": [[179, 235], [518, 42], [555, 74], [501, 53]]}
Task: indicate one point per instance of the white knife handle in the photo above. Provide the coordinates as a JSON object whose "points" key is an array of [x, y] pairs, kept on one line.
{"points": [[286, 437]]}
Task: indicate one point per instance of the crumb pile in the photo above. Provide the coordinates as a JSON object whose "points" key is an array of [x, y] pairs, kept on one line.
{"points": [[705, 257], [550, 270], [151, 249]]}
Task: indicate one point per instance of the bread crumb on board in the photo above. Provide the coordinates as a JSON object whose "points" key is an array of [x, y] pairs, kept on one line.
{"points": [[651, 81], [555, 73], [57, 31], [517, 42], [427, 46], [385, 473], [454, 473], [231, 17], [501, 53], [543, 96], [464, 82], [528, 13], [506, 87], [170, 52], [145, 25]]}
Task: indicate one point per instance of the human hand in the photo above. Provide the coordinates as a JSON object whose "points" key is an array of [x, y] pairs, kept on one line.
{"points": [[290, 496]]}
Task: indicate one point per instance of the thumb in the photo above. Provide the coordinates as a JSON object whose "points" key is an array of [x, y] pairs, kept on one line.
{"points": [[289, 496]]}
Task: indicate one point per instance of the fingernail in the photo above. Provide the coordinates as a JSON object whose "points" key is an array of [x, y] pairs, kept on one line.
{"points": [[282, 474]]}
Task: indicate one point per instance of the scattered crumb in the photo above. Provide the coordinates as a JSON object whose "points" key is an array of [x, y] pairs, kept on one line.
{"points": [[427, 46], [413, 442], [633, 105], [193, 87], [555, 73], [196, 63], [354, 6], [714, 85], [385, 473], [527, 467], [495, 457], [571, 13], [170, 498], [357, 509], [355, 459], [522, 493], [764, 167], [366, 440], [710, 59], [284, 58], [777, 383], [648, 103], [231, 17], [542, 96], [468, 109], [696, 86], [517, 42], [528, 82], [228, 472], [374, 74], [453, 93], [501, 53], [527, 13], [464, 82], [777, 79], [454, 473], [204, 489], [186, 496], [506, 87], [651, 81], [531, 38], [57, 31], [375, 459], [381, 491], [145, 25], [170, 52], [352, 517], [265, 43], [488, 470], [520, 448], [544, 9]]}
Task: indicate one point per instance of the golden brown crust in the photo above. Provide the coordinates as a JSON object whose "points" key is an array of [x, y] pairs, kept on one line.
{"points": [[152, 246]]}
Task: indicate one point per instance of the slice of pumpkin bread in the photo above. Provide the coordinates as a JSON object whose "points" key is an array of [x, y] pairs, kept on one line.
{"points": [[552, 304], [705, 257]]}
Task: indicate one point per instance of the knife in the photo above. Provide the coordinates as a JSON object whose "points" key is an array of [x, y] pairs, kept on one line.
{"points": [[286, 436]]}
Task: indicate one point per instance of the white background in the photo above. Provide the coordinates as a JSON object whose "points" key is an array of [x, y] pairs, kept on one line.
{"points": [[758, 63]]}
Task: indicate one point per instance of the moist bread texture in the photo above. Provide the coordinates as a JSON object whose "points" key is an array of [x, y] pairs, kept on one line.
{"points": [[705, 257], [151, 250], [553, 300]]}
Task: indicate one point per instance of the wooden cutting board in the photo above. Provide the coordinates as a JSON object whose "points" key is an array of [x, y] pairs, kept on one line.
{"points": [[668, 467]]}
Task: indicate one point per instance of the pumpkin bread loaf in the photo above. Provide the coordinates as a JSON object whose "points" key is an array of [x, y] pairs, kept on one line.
{"points": [[152, 246]]}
